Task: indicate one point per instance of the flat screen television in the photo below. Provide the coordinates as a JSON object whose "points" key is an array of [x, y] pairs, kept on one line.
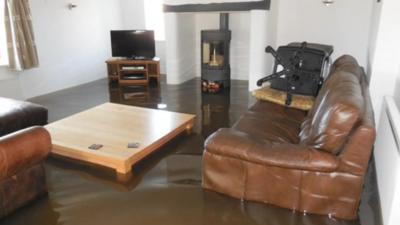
{"points": [[135, 44]]}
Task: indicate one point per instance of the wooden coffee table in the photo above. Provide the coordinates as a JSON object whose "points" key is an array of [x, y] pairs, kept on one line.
{"points": [[114, 126]]}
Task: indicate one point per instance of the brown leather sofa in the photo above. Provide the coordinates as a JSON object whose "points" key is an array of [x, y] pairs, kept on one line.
{"points": [[23, 147], [311, 162]]}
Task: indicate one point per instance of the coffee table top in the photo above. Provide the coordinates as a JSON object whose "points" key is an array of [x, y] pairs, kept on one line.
{"points": [[114, 126]]}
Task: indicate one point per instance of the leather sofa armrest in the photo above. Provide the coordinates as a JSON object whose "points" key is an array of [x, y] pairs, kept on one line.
{"points": [[236, 144], [18, 115], [23, 149]]}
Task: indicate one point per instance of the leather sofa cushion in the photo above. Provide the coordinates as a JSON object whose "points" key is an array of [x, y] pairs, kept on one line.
{"points": [[268, 127], [340, 108], [278, 111], [235, 144], [270, 121], [16, 115]]}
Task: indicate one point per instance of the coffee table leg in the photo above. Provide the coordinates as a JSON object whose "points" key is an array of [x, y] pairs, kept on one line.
{"points": [[189, 127], [123, 168], [124, 177]]}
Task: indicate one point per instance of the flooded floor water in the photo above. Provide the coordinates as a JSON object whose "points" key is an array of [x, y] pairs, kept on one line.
{"points": [[165, 188]]}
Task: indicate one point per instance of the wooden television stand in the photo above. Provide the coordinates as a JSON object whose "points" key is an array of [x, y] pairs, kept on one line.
{"points": [[133, 72]]}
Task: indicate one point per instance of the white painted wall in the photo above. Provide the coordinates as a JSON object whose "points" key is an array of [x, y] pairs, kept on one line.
{"points": [[72, 45], [384, 72], [133, 14], [385, 53], [262, 33], [374, 29], [180, 50], [240, 44], [134, 18], [345, 24], [161, 53], [387, 157], [9, 84], [74, 29]]}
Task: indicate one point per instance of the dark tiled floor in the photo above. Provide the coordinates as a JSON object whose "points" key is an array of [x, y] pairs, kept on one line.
{"points": [[165, 188]]}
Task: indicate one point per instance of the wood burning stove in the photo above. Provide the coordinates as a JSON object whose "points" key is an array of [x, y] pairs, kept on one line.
{"points": [[215, 66]]}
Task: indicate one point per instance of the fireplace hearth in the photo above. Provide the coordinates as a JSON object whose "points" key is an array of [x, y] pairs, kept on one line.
{"points": [[215, 63]]}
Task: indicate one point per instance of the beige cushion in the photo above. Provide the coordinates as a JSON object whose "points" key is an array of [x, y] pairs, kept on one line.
{"points": [[279, 97]]}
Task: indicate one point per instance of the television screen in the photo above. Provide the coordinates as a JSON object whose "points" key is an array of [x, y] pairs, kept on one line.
{"points": [[137, 44]]}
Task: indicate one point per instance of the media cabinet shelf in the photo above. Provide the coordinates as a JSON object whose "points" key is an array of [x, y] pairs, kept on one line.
{"points": [[133, 71], [150, 69]]}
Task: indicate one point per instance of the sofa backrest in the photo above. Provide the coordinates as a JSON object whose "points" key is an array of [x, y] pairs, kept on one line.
{"points": [[338, 109], [344, 63], [357, 151]]}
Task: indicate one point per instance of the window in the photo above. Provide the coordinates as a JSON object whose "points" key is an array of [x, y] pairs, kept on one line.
{"points": [[154, 17], [3, 37]]}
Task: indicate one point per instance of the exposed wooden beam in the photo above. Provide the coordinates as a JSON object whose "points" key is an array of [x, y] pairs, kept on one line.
{"points": [[215, 7]]}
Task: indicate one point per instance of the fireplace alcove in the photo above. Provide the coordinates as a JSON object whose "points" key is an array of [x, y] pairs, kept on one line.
{"points": [[215, 56], [235, 55]]}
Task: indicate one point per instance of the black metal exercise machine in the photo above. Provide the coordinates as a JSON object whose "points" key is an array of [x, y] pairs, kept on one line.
{"points": [[300, 68]]}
